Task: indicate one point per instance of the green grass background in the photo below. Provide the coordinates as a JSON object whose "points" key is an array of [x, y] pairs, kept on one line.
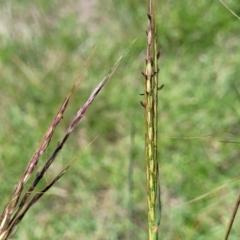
{"points": [[44, 45]]}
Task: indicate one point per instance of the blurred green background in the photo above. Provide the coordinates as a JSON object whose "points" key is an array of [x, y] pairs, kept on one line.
{"points": [[44, 45]]}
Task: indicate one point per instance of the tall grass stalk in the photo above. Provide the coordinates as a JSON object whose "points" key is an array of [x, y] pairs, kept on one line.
{"points": [[150, 105]]}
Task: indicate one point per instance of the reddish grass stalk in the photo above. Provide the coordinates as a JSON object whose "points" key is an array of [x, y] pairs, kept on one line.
{"points": [[16, 207], [234, 213]]}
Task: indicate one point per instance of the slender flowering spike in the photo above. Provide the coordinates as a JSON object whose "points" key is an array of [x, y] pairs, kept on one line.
{"points": [[151, 124], [17, 207], [12, 205]]}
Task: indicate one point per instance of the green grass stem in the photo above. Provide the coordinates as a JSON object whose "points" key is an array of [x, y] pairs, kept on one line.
{"points": [[151, 125]]}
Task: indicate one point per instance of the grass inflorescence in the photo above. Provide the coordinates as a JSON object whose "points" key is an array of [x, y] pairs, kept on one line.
{"points": [[42, 44], [21, 201], [150, 105]]}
